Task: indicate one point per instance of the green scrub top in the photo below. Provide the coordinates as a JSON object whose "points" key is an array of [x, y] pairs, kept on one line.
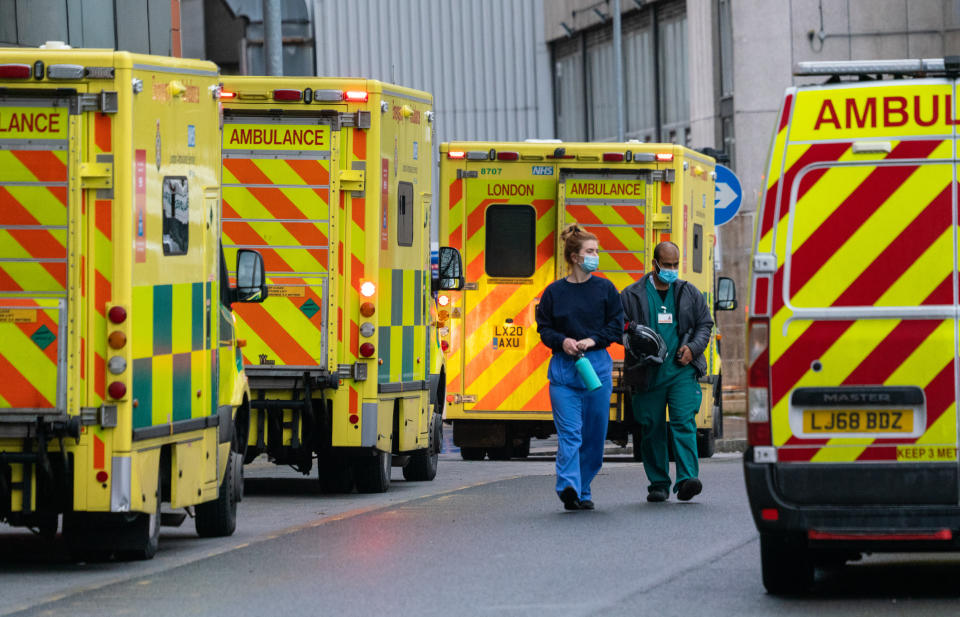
{"points": [[666, 327]]}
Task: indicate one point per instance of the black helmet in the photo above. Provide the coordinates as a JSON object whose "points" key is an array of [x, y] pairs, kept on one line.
{"points": [[643, 345]]}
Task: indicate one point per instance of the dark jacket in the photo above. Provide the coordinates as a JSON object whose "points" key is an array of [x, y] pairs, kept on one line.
{"points": [[693, 315]]}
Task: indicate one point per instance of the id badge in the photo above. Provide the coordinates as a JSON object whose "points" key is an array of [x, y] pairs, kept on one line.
{"points": [[664, 318]]}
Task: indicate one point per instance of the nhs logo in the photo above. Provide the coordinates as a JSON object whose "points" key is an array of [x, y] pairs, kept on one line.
{"points": [[543, 170]]}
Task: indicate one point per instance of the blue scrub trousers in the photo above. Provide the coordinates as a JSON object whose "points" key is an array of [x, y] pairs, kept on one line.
{"points": [[581, 419]]}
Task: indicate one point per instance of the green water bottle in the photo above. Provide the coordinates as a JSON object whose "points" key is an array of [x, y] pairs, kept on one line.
{"points": [[587, 374]]}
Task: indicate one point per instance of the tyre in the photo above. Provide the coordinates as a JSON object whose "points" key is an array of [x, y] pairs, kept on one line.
{"points": [[423, 464], [336, 475], [718, 406], [786, 564], [373, 473], [706, 443], [218, 518], [472, 454]]}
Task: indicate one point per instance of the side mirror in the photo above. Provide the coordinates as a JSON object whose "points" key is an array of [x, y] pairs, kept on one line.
{"points": [[450, 270], [726, 295], [251, 280]]}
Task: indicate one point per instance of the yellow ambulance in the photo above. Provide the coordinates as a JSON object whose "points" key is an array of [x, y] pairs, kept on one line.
{"points": [[852, 332], [121, 378], [331, 180], [503, 204]]}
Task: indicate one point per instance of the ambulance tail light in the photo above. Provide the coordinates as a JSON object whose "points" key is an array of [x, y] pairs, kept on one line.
{"points": [[613, 157], [287, 95], [117, 314], [15, 71], [227, 94], [508, 156], [367, 289], [367, 350], [456, 154], [367, 309], [758, 382], [117, 390], [664, 157], [444, 345], [356, 96]]}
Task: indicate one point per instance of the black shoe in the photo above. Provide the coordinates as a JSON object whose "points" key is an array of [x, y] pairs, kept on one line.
{"points": [[587, 504], [657, 494], [569, 498], [689, 489]]}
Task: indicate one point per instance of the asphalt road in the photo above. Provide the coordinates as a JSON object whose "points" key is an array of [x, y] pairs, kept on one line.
{"points": [[483, 539]]}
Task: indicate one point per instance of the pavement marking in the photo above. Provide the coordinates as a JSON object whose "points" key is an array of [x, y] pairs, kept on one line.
{"points": [[177, 563]]}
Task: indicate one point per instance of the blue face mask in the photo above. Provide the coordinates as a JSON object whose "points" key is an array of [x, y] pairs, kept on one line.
{"points": [[667, 276], [590, 263]]}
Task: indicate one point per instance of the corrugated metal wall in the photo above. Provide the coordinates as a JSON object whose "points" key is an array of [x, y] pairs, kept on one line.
{"points": [[485, 62]]}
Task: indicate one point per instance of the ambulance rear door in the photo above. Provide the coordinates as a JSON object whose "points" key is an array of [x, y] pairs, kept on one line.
{"points": [[39, 146], [863, 332], [276, 199], [509, 257]]}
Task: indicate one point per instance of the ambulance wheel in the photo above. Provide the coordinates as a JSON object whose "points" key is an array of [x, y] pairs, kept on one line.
{"points": [[706, 442], [637, 437], [472, 454], [373, 473], [786, 564], [423, 464], [218, 518], [336, 475]]}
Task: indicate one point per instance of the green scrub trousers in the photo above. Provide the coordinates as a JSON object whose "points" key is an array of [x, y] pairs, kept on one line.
{"points": [[674, 388]]}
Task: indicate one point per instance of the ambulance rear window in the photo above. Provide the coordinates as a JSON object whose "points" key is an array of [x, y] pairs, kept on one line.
{"points": [[511, 243], [176, 215]]}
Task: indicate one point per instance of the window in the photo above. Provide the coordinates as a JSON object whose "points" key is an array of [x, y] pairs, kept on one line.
{"points": [[405, 214], [603, 108], [176, 215], [697, 247], [639, 85], [674, 99], [656, 92], [511, 242], [726, 48], [568, 92]]}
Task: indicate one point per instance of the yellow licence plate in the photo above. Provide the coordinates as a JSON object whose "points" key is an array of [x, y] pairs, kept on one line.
{"points": [[508, 337], [858, 421]]}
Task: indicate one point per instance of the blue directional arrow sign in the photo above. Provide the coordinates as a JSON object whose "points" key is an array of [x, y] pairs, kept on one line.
{"points": [[728, 195]]}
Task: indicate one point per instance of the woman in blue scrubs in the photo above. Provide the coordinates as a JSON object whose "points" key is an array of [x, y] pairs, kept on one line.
{"points": [[579, 314]]}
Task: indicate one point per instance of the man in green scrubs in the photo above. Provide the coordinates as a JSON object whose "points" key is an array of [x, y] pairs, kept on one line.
{"points": [[677, 311]]}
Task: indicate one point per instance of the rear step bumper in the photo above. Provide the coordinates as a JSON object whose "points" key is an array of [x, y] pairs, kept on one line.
{"points": [[905, 526]]}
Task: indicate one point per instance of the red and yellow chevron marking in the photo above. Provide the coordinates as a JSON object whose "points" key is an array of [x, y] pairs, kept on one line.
{"points": [[454, 238], [860, 236], [33, 221], [280, 208], [99, 282], [505, 379], [28, 359], [620, 234]]}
